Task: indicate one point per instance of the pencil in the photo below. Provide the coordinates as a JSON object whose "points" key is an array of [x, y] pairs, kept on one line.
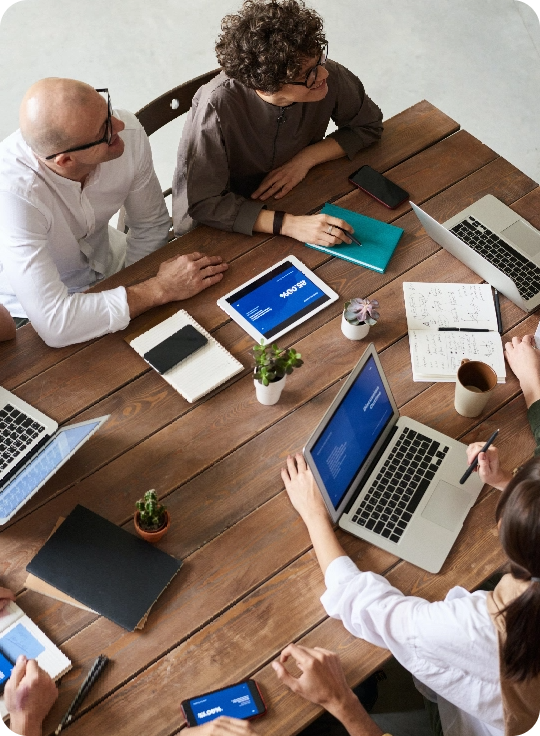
{"points": [[91, 677]]}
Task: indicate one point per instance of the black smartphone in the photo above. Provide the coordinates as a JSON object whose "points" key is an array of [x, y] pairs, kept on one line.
{"points": [[5, 671], [175, 349], [243, 700], [379, 187]]}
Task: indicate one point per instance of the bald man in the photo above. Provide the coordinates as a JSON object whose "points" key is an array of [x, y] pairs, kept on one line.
{"points": [[68, 169]]}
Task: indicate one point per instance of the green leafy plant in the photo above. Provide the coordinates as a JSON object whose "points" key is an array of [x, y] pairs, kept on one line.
{"points": [[151, 513], [272, 363], [361, 311]]}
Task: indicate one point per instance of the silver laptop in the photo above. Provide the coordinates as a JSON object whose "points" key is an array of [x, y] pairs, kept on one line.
{"points": [[33, 449], [496, 243], [389, 479]]}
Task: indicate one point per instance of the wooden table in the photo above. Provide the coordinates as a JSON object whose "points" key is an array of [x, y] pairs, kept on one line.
{"points": [[250, 583]]}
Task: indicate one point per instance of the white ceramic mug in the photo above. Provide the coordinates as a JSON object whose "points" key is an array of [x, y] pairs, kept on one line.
{"points": [[474, 383]]}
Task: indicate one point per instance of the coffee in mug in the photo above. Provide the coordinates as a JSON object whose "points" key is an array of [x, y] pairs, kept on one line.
{"points": [[474, 383]]}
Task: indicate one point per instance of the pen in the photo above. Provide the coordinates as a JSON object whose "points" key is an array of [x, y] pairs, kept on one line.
{"points": [[461, 329], [347, 233], [474, 463], [498, 311], [91, 677]]}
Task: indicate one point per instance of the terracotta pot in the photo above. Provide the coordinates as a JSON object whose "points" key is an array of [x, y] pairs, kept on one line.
{"points": [[354, 332], [269, 395], [152, 537]]}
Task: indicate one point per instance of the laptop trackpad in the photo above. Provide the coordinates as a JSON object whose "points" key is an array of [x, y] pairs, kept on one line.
{"points": [[525, 237], [447, 506]]}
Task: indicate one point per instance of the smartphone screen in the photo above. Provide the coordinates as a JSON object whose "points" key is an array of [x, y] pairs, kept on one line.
{"points": [[5, 671], [175, 349], [238, 701], [384, 190]]}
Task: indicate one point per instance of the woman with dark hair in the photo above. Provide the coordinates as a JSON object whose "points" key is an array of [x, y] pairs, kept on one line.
{"points": [[257, 128], [477, 655]]}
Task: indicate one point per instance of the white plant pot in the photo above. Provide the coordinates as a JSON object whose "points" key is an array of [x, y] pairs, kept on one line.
{"points": [[354, 332], [269, 395]]}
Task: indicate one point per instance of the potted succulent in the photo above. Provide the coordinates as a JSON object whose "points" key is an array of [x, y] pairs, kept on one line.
{"points": [[358, 316], [272, 366], [152, 520]]}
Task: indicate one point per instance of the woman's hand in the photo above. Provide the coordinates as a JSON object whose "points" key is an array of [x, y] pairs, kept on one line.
{"points": [[317, 229], [488, 467]]}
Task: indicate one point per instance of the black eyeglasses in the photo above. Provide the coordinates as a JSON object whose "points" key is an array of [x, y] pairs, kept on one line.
{"points": [[311, 76], [106, 138]]}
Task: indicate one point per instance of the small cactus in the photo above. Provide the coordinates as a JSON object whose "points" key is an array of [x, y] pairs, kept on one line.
{"points": [[151, 513]]}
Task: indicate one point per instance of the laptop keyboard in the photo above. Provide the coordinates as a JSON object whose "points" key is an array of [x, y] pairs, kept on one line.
{"points": [[17, 431], [523, 272], [394, 495]]}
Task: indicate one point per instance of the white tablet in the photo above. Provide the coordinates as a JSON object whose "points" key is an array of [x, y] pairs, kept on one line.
{"points": [[277, 300]]}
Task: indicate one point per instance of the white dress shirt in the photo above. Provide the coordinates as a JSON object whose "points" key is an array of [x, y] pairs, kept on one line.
{"points": [[54, 236], [450, 646]]}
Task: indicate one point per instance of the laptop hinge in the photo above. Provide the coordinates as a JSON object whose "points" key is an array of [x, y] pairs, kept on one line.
{"points": [[371, 467]]}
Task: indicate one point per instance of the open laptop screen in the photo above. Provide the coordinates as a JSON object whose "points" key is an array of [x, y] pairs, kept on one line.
{"points": [[352, 432]]}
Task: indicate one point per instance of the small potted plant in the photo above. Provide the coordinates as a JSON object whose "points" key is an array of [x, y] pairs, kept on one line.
{"points": [[152, 520], [358, 316], [272, 366]]}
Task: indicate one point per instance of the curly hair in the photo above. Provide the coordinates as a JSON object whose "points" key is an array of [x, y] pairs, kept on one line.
{"points": [[266, 44]]}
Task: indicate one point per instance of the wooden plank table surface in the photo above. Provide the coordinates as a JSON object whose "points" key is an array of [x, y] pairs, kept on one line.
{"points": [[250, 583]]}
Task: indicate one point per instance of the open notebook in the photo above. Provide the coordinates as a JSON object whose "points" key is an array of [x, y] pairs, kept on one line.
{"points": [[20, 635], [201, 372], [459, 308]]}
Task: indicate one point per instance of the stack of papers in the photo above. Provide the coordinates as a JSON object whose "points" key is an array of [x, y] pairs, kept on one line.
{"points": [[466, 312]]}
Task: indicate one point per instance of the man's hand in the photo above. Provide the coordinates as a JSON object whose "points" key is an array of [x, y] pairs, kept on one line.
{"points": [[29, 695], [524, 360], [317, 229], [488, 468], [5, 597], [223, 726], [178, 278], [280, 181]]}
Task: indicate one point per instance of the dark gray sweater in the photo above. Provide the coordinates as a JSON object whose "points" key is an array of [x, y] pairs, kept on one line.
{"points": [[232, 138]]}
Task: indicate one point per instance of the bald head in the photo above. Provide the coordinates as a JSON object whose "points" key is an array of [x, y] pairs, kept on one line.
{"points": [[54, 114]]}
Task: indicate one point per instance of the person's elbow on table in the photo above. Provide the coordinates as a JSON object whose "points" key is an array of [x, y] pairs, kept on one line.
{"points": [[7, 325], [29, 695]]}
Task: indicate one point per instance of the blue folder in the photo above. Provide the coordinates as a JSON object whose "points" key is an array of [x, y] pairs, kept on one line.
{"points": [[379, 240]]}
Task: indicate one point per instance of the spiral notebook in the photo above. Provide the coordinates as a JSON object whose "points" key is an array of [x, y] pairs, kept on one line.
{"points": [[199, 373]]}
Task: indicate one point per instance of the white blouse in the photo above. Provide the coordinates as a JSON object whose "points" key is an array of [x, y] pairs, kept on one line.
{"points": [[450, 646]]}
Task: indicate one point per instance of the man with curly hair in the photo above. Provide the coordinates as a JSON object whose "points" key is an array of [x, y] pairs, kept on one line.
{"points": [[257, 128]]}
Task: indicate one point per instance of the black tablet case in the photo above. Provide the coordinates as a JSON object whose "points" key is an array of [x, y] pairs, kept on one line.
{"points": [[104, 567]]}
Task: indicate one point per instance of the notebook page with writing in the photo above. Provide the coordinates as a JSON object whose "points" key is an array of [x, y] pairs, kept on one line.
{"points": [[199, 373], [20, 635], [436, 356], [430, 306]]}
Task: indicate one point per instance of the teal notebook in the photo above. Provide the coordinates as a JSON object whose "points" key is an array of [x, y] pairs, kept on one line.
{"points": [[379, 240]]}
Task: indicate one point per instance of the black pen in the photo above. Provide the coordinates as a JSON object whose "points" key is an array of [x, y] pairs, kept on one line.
{"points": [[474, 463], [92, 676], [498, 311], [347, 233], [461, 329]]}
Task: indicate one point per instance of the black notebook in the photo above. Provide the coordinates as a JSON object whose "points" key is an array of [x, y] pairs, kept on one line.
{"points": [[104, 567]]}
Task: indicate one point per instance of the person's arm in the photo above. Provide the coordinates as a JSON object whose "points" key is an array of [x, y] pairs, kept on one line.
{"points": [[224, 726], [146, 212], [358, 118], [29, 695], [524, 360], [323, 682], [7, 325], [489, 468]]}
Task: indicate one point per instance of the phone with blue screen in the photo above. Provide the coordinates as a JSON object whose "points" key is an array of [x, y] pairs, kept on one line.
{"points": [[5, 671], [243, 700]]}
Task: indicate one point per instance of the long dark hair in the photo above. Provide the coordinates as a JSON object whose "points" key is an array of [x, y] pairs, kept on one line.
{"points": [[519, 513]]}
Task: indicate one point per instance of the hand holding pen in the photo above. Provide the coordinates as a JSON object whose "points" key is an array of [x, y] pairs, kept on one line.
{"points": [[487, 465]]}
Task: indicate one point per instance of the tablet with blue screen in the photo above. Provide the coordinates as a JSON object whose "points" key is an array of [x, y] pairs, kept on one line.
{"points": [[277, 300]]}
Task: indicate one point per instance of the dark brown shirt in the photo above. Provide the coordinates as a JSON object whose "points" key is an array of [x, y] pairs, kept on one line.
{"points": [[232, 138]]}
